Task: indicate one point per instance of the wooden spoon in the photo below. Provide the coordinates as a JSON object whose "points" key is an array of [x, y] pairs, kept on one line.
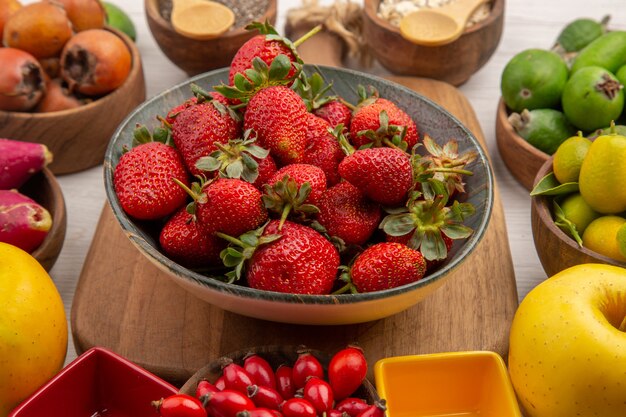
{"points": [[438, 26], [201, 19]]}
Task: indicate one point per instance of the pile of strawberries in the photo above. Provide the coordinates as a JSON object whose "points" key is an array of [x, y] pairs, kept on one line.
{"points": [[295, 190], [253, 388]]}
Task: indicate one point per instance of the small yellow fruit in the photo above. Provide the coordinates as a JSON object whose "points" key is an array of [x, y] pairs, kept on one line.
{"points": [[578, 212], [601, 236], [567, 350], [569, 157], [33, 327]]}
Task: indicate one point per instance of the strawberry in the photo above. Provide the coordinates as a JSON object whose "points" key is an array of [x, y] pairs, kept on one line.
{"points": [[346, 213], [226, 205], [182, 241], [199, 126], [295, 189], [144, 180], [335, 112], [171, 115], [404, 239], [295, 259], [382, 174], [383, 266], [322, 149], [278, 116], [379, 122], [240, 158]]}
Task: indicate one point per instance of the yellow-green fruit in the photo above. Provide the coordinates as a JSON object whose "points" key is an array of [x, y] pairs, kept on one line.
{"points": [[621, 239], [567, 350], [568, 158], [601, 236], [602, 177], [578, 212], [33, 327]]}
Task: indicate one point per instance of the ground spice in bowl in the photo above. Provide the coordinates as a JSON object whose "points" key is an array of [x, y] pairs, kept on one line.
{"points": [[394, 10], [245, 11]]}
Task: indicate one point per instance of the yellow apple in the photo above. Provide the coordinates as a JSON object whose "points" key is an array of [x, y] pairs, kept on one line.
{"points": [[567, 351]]}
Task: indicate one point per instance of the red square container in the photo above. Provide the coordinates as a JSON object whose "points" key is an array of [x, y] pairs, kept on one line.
{"points": [[99, 383]]}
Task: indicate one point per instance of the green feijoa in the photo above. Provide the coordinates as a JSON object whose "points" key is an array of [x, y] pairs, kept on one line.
{"points": [[619, 129], [592, 98], [118, 19], [621, 75], [580, 33], [608, 51], [533, 79], [545, 129]]}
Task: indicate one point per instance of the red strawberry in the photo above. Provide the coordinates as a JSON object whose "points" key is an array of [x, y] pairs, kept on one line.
{"points": [[347, 214], [405, 239], [171, 115], [322, 149], [301, 261], [196, 129], [302, 173], [229, 206], [382, 174], [278, 115], [386, 265], [266, 46], [335, 112], [382, 123], [182, 241], [143, 181]]}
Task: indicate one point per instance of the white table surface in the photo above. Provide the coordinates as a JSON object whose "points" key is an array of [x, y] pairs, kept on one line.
{"points": [[528, 24]]}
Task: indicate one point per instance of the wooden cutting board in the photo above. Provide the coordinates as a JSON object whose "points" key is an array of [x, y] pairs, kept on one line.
{"points": [[126, 304]]}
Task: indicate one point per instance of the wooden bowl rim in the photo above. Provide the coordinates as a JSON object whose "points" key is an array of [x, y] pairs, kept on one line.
{"points": [[540, 204], [59, 218], [153, 13], [371, 10], [512, 138], [132, 78]]}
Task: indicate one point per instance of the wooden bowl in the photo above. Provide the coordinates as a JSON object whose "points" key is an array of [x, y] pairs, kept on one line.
{"points": [[557, 251], [454, 63], [276, 356], [78, 137], [521, 158], [45, 190], [197, 56]]}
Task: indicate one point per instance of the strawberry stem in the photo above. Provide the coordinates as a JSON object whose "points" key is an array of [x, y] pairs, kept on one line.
{"points": [[230, 239], [452, 170], [188, 190], [307, 35], [284, 215], [389, 143], [345, 289], [349, 105]]}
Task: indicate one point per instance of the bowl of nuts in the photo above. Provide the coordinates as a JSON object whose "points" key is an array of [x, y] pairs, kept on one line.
{"points": [[453, 62], [58, 83]]}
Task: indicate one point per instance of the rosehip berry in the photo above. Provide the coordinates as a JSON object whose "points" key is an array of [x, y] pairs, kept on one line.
{"points": [[265, 397], [227, 403], [258, 412], [235, 377], [298, 407], [337, 413], [204, 387], [180, 405], [346, 371], [220, 383], [260, 370], [306, 366], [352, 406], [375, 410], [319, 393], [284, 382]]}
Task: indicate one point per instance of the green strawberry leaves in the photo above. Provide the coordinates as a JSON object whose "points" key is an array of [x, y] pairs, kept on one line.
{"points": [[385, 135], [162, 134], [287, 198], [313, 90]]}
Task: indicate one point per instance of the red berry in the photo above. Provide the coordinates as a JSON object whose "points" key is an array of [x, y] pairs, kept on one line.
{"points": [[319, 393], [260, 370], [264, 397], [284, 382], [180, 405], [306, 366], [204, 387], [336, 413], [346, 371], [259, 412], [375, 410], [352, 406], [228, 403], [235, 377], [220, 384], [298, 407]]}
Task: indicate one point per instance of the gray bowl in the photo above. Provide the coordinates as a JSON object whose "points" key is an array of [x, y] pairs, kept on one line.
{"points": [[312, 309]]}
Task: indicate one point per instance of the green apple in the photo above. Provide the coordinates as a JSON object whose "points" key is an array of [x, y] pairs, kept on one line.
{"points": [[567, 353]]}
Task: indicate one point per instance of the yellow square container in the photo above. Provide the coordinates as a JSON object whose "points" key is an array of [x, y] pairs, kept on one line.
{"points": [[459, 384]]}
